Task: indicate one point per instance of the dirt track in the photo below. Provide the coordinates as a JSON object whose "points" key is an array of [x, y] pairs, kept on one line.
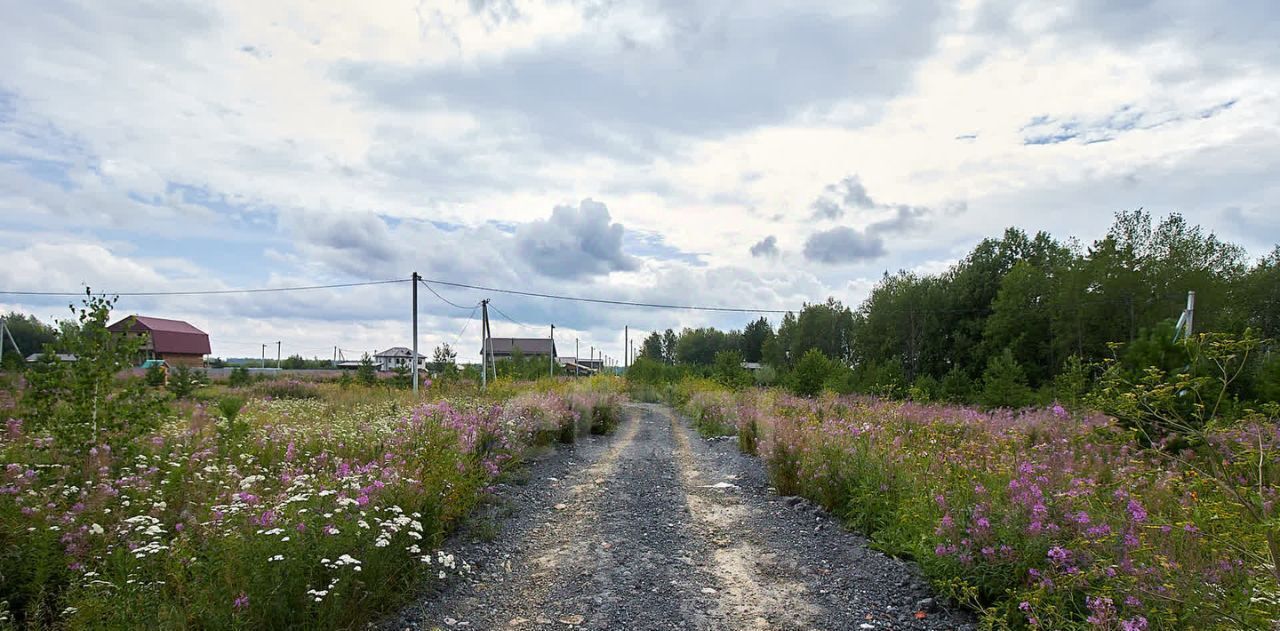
{"points": [[655, 528]]}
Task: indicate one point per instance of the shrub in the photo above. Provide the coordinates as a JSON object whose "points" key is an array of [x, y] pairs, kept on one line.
{"points": [[155, 375], [1043, 519], [287, 389], [728, 370], [956, 386], [366, 374], [713, 412], [82, 401], [810, 373], [184, 381], [239, 377], [1004, 384]]}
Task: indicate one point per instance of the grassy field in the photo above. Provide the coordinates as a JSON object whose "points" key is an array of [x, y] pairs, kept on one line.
{"points": [[1037, 519], [276, 505]]}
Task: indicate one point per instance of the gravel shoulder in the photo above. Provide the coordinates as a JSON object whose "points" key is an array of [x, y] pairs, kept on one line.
{"points": [[656, 528]]}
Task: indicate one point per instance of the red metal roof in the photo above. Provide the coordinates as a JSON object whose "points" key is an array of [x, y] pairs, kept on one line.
{"points": [[168, 336]]}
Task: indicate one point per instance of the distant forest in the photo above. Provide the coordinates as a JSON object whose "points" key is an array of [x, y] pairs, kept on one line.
{"points": [[1032, 308]]}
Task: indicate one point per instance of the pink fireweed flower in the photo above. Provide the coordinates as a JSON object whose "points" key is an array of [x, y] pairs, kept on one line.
{"points": [[1134, 624], [241, 602], [1059, 555], [1137, 513]]}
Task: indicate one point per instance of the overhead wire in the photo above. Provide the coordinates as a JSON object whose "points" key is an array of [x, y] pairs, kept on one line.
{"points": [[513, 320], [466, 324], [446, 300], [208, 292], [605, 301]]}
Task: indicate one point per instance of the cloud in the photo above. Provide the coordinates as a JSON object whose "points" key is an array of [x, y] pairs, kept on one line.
{"points": [[628, 83], [842, 245], [767, 246], [903, 219], [574, 242], [848, 193]]}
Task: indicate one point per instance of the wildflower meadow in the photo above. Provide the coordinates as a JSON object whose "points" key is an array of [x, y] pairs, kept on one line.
{"points": [[319, 511], [1043, 518]]}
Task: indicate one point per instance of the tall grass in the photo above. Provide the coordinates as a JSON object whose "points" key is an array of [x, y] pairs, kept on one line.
{"points": [[1040, 519], [320, 513]]}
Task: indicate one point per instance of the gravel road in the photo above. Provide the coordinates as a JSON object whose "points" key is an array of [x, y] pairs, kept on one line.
{"points": [[656, 528]]}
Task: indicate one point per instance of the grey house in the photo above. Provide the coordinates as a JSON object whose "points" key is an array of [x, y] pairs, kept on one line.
{"points": [[398, 357], [504, 347]]}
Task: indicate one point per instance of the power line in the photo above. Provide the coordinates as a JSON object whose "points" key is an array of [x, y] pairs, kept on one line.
{"points": [[605, 301], [207, 292], [446, 300], [513, 320], [465, 325]]}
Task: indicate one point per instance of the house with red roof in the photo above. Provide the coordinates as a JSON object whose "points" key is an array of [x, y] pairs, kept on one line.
{"points": [[174, 341]]}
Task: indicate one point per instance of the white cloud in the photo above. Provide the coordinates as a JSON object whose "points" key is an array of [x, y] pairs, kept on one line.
{"points": [[335, 143]]}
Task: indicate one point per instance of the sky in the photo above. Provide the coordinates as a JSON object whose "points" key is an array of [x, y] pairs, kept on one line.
{"points": [[758, 155]]}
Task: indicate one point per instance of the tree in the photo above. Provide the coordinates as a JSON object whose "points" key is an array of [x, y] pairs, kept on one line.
{"points": [[827, 327], [669, 346], [239, 377], [754, 338], [184, 381], [294, 362], [29, 333], [698, 347], [1259, 297], [956, 386], [810, 373], [1072, 383], [728, 370], [81, 401], [444, 361], [366, 374], [1004, 384], [651, 348]]}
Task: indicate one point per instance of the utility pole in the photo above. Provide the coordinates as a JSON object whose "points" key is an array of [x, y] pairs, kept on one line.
{"points": [[552, 354], [577, 361], [1185, 324], [626, 341], [1191, 312], [5, 332], [264, 356], [277, 355], [414, 359], [593, 358], [484, 342]]}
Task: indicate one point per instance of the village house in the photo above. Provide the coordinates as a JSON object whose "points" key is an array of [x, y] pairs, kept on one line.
{"points": [[174, 341], [505, 347], [397, 357]]}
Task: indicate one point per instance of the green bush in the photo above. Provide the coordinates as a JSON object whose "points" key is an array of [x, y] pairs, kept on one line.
{"points": [[184, 381], [155, 375], [287, 389], [810, 373], [956, 386], [1004, 384], [81, 401], [239, 377]]}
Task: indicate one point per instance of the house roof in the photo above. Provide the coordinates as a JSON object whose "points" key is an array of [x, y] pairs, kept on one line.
{"points": [[167, 336], [397, 351], [527, 345], [66, 357]]}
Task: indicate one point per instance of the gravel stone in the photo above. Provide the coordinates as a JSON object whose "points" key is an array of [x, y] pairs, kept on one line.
{"points": [[656, 528]]}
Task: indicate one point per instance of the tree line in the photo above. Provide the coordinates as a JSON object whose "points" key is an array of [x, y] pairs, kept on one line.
{"points": [[1020, 319]]}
